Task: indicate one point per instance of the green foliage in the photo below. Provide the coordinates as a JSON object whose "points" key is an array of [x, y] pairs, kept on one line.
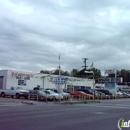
{"points": [[56, 72], [44, 71], [97, 73]]}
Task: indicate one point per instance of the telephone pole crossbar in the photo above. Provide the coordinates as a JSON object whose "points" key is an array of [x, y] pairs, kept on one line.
{"points": [[85, 66]]}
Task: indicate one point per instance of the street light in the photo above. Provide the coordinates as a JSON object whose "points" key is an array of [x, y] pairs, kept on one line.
{"points": [[91, 72]]}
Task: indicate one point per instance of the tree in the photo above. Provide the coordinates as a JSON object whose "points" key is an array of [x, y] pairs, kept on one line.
{"points": [[66, 73], [97, 74], [45, 71]]}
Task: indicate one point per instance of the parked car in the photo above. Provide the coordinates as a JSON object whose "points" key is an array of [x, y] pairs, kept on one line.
{"points": [[106, 92], [64, 94], [41, 94], [55, 96], [78, 94], [38, 88], [89, 91], [125, 94], [14, 91], [99, 93]]}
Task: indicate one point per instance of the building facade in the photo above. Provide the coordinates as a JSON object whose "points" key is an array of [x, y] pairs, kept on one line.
{"points": [[29, 80]]}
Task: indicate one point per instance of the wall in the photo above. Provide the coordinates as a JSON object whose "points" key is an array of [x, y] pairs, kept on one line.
{"points": [[4, 74], [30, 84], [43, 80]]}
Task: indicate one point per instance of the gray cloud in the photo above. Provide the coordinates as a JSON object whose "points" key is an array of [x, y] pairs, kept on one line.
{"points": [[33, 33]]}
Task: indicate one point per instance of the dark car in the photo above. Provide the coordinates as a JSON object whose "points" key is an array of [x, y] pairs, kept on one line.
{"points": [[90, 91], [106, 92], [87, 91]]}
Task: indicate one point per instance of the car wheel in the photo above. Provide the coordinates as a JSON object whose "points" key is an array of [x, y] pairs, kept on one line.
{"points": [[54, 98], [17, 96], [2, 94], [26, 97]]}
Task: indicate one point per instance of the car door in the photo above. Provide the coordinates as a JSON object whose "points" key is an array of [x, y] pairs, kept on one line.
{"points": [[12, 91]]}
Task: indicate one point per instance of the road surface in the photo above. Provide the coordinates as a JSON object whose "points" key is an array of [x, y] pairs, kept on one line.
{"points": [[49, 116]]}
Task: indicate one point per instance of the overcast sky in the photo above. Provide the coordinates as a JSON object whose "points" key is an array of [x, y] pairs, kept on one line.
{"points": [[34, 32]]}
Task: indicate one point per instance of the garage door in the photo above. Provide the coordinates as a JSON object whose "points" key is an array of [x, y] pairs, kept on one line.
{"points": [[1, 82]]}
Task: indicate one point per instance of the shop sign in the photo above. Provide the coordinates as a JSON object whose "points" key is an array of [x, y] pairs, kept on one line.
{"points": [[17, 74]]}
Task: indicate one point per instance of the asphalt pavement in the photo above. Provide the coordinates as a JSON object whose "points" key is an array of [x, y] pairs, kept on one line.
{"points": [[50, 116]]}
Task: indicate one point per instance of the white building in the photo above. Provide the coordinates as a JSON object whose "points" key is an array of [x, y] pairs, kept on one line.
{"points": [[28, 80]]}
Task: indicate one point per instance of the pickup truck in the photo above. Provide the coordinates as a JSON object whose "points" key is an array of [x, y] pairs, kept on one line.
{"points": [[14, 91]]}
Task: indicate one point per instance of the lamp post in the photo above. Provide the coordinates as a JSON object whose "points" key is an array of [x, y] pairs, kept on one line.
{"points": [[91, 72]]}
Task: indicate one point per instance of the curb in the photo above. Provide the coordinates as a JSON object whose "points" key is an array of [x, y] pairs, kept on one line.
{"points": [[77, 102], [29, 103]]}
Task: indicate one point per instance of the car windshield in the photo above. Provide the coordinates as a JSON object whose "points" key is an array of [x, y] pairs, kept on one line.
{"points": [[18, 88], [82, 92], [51, 92]]}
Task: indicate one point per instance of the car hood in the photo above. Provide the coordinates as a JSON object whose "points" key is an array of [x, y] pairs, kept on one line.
{"points": [[24, 91]]}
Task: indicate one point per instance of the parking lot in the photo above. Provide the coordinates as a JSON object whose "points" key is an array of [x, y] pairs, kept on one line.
{"points": [[36, 100]]}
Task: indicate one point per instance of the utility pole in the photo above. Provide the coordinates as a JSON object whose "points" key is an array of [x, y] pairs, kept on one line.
{"points": [[59, 65], [59, 78], [85, 63]]}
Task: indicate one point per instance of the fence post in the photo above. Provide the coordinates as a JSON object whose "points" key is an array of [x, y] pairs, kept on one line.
{"points": [[84, 97], [71, 98], [29, 97], [79, 97], [37, 97]]}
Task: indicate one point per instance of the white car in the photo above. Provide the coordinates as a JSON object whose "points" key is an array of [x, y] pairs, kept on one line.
{"points": [[64, 94], [119, 93], [14, 91], [56, 96]]}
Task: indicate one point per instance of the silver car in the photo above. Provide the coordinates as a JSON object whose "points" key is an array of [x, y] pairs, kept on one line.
{"points": [[65, 95], [55, 96], [41, 94]]}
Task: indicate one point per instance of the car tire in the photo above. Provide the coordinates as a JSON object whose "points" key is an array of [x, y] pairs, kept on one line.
{"points": [[17, 95], [2, 94], [54, 98], [26, 97]]}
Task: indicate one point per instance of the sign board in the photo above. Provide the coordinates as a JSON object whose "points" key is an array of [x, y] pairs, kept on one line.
{"points": [[110, 85], [113, 79], [58, 80], [17, 74], [109, 72]]}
